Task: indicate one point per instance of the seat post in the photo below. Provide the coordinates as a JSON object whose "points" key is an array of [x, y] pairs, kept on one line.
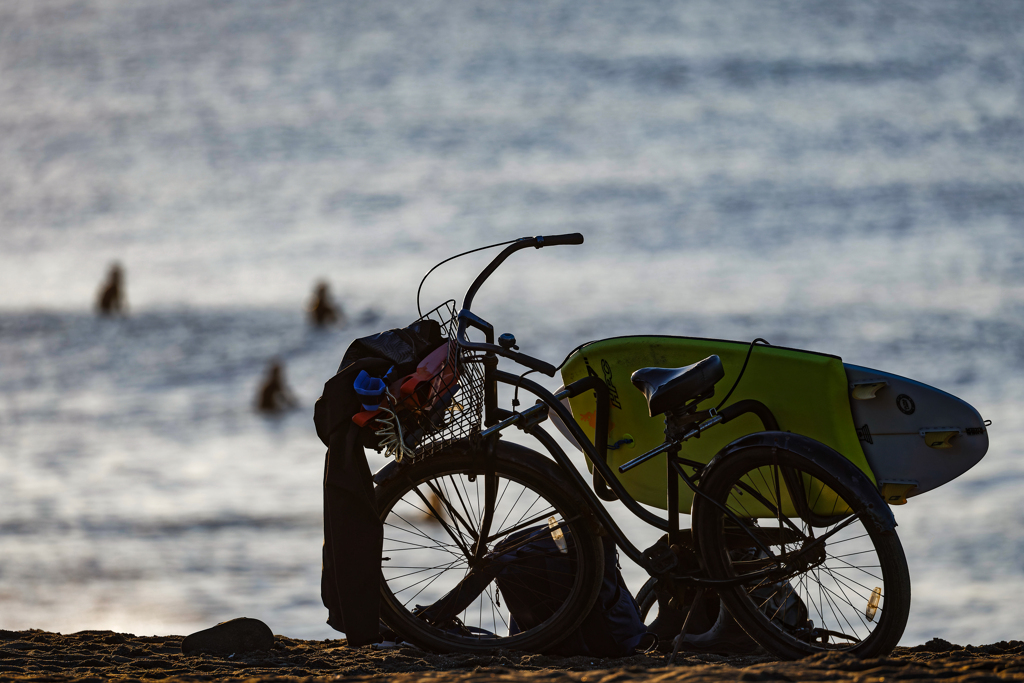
{"points": [[672, 494]]}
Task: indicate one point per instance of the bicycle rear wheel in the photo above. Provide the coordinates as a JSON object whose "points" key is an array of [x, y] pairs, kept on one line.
{"points": [[543, 545], [822, 575]]}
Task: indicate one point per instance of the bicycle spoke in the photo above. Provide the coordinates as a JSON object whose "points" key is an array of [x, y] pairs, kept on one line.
{"points": [[452, 512], [832, 604], [512, 507], [495, 615], [522, 525], [418, 571], [859, 585], [422, 580], [415, 532], [845, 598], [461, 547], [418, 546], [472, 522]]}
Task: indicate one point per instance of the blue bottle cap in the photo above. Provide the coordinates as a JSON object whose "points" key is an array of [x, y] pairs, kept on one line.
{"points": [[370, 390]]}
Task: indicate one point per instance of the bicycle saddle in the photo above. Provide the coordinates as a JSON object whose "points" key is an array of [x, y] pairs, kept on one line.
{"points": [[666, 388]]}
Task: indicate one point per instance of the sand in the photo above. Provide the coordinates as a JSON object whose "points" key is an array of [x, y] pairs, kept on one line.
{"points": [[102, 655]]}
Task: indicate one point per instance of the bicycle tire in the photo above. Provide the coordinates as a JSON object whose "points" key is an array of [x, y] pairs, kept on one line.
{"points": [[422, 560], [838, 592]]}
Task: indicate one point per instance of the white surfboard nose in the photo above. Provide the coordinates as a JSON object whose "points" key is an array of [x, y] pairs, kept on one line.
{"points": [[560, 426], [915, 437]]}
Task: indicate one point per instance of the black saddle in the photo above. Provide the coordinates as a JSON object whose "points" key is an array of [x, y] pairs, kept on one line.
{"points": [[666, 388]]}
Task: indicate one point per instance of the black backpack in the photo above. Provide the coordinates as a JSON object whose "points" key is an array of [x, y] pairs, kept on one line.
{"points": [[535, 579]]}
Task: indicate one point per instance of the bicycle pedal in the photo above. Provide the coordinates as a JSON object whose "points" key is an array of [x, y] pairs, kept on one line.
{"points": [[661, 558]]}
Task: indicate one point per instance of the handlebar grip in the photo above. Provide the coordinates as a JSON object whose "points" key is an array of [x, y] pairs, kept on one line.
{"points": [[556, 240]]}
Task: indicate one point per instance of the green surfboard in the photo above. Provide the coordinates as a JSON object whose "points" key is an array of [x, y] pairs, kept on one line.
{"points": [[807, 392]]}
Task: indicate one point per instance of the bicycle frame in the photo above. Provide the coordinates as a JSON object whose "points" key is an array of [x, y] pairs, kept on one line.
{"points": [[654, 563], [657, 561]]}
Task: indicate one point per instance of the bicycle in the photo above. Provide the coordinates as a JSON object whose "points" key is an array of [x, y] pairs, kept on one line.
{"points": [[797, 539]]}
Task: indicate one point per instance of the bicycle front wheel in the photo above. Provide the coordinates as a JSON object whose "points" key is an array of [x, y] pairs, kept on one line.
{"points": [[542, 550], [821, 575]]}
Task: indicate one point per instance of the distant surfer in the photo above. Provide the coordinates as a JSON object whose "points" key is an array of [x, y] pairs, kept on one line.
{"points": [[111, 300], [435, 511], [274, 395], [323, 311]]}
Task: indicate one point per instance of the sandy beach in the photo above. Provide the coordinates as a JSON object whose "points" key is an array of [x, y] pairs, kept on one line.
{"points": [[36, 655]]}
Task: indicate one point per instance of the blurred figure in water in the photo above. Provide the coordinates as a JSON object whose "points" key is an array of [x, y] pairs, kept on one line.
{"points": [[435, 508], [274, 395], [323, 311], [111, 299]]}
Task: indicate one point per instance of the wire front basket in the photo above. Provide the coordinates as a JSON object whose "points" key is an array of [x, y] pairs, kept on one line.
{"points": [[450, 407]]}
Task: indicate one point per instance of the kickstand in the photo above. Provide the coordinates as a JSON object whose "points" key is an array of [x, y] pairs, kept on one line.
{"points": [[678, 640]]}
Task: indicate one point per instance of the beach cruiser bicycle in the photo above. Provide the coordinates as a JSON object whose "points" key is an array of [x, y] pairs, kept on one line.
{"points": [[787, 479]]}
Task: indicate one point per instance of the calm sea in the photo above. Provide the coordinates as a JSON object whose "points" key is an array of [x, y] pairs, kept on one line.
{"points": [[843, 177]]}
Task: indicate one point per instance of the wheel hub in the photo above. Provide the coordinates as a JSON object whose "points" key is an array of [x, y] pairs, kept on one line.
{"points": [[809, 556]]}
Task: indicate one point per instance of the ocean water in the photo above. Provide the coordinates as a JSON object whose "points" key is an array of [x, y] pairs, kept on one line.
{"points": [[847, 178]]}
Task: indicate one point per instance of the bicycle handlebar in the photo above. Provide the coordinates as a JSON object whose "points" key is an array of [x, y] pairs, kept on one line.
{"points": [[522, 243], [466, 317], [556, 240]]}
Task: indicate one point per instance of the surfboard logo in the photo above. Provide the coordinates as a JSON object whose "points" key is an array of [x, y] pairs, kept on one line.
{"points": [[606, 370], [905, 404]]}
